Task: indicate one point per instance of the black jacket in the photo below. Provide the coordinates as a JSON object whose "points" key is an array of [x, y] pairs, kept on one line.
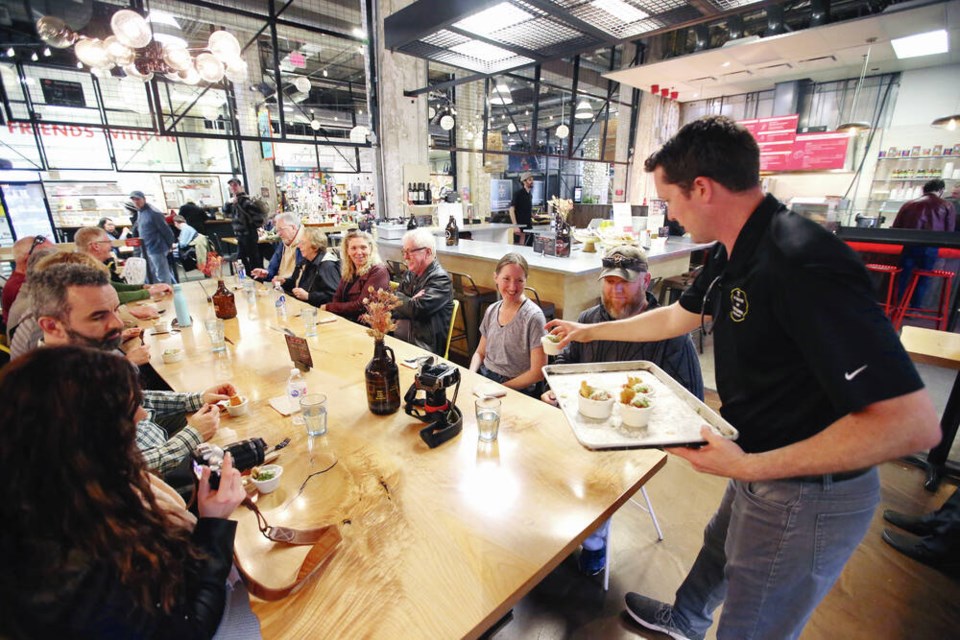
{"points": [[246, 214], [430, 313], [320, 277]]}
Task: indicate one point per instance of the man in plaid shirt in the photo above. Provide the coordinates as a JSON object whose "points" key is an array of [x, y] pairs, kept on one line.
{"points": [[75, 304]]}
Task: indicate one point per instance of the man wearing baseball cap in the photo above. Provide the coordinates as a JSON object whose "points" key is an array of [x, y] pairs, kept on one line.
{"points": [[521, 207], [157, 237], [624, 294]]}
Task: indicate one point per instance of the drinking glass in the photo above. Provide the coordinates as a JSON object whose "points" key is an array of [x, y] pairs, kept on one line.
{"points": [[314, 409], [488, 418], [309, 316], [214, 327]]}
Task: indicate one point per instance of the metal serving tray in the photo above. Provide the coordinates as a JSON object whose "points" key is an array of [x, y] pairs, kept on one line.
{"points": [[677, 413]]}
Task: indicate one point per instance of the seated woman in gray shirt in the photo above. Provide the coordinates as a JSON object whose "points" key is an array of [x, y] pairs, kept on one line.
{"points": [[510, 351]]}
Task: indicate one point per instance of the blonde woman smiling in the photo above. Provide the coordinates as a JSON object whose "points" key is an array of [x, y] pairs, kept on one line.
{"points": [[362, 269]]}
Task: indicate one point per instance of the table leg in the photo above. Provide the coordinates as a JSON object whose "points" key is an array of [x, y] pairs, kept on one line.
{"points": [[937, 458]]}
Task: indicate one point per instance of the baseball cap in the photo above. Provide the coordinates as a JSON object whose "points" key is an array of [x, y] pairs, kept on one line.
{"points": [[138, 194], [624, 261], [525, 175], [234, 180]]}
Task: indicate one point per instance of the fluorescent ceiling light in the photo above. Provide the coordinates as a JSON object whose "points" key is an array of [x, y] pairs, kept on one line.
{"points": [[620, 10], [161, 17], [921, 44], [482, 51], [493, 19]]}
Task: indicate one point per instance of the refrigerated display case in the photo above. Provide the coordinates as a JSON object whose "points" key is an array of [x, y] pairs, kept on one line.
{"points": [[82, 204], [27, 211]]}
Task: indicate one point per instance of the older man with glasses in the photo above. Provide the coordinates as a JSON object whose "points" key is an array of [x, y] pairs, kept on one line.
{"points": [[287, 256], [426, 294], [22, 250]]}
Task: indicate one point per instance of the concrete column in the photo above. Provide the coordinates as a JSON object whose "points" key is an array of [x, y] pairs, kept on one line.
{"points": [[403, 134], [259, 171], [470, 171]]}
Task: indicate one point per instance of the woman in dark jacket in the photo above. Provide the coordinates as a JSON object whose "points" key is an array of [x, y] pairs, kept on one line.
{"points": [[362, 269], [317, 277], [93, 545]]}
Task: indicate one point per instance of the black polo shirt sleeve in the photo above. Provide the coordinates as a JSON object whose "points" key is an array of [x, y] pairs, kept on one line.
{"points": [[826, 302]]}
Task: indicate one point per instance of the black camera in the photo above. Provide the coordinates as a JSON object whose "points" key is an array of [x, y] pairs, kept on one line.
{"points": [[444, 418], [246, 455]]}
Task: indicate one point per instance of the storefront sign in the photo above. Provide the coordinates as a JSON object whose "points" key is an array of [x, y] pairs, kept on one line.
{"points": [[76, 131]]}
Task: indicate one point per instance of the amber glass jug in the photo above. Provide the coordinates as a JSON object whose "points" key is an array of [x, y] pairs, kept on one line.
{"points": [[224, 303], [383, 381]]}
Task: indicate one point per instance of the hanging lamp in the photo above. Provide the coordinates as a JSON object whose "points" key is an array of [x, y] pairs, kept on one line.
{"points": [[855, 126]]}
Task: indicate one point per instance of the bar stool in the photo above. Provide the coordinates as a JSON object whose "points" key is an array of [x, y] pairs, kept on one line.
{"points": [[549, 309], [473, 302], [893, 272], [939, 314]]}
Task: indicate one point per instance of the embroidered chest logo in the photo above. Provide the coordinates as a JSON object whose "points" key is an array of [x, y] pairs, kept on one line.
{"points": [[739, 306]]}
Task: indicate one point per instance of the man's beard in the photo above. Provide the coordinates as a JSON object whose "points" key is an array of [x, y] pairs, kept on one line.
{"points": [[628, 308], [109, 342]]}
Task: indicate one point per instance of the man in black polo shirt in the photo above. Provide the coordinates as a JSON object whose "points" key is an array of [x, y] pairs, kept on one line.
{"points": [[521, 207], [810, 373]]}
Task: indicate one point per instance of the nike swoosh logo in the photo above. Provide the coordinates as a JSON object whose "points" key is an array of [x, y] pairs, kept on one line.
{"points": [[853, 374]]}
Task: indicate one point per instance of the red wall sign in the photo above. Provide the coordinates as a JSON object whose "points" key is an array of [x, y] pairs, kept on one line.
{"points": [[783, 149]]}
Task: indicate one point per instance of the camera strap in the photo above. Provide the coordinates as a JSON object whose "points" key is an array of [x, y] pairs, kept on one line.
{"points": [[323, 539]]}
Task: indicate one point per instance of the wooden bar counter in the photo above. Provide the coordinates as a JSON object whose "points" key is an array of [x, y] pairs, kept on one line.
{"points": [[436, 543], [570, 283]]}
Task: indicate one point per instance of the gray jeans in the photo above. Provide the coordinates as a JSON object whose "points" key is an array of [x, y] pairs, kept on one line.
{"points": [[771, 552]]}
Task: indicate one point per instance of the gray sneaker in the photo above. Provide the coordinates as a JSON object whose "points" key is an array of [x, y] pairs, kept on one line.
{"points": [[656, 615]]}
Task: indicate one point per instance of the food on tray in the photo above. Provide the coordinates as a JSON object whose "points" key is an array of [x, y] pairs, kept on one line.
{"points": [[634, 399], [638, 386], [586, 391], [236, 400]]}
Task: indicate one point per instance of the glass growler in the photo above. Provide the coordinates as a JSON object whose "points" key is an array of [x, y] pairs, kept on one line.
{"points": [[452, 232], [224, 303], [383, 381]]}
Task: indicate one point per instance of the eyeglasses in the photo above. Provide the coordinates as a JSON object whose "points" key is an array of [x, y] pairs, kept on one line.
{"points": [[407, 252], [37, 241], [620, 262], [706, 328]]}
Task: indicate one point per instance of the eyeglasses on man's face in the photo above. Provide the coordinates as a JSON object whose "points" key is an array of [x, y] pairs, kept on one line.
{"points": [[37, 241], [410, 252]]}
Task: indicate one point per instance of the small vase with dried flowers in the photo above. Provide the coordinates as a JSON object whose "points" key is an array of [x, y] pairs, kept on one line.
{"points": [[382, 374], [562, 209]]}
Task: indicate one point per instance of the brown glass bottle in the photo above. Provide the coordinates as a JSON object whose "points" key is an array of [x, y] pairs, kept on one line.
{"points": [[452, 232], [562, 238], [224, 303], [383, 381]]}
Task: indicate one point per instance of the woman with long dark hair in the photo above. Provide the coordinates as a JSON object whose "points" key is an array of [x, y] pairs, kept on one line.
{"points": [[92, 544]]}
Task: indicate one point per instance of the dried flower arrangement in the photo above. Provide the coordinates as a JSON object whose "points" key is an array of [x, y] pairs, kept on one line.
{"points": [[561, 206], [378, 317]]}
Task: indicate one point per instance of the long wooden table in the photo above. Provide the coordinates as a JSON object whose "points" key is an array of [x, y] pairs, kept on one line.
{"points": [[436, 543], [940, 349]]}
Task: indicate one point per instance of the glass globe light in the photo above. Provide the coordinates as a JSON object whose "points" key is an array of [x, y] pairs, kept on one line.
{"points": [[131, 29], [55, 32], [315, 124], [209, 68], [210, 113], [132, 72], [119, 53], [237, 71], [359, 134], [177, 58], [512, 128], [91, 52], [302, 84], [190, 76], [562, 131], [224, 46]]}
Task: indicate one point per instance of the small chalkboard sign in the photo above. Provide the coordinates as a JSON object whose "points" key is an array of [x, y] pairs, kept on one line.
{"points": [[62, 92], [299, 352]]}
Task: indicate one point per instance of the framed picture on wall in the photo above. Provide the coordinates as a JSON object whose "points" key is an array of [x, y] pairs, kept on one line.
{"points": [[201, 190]]}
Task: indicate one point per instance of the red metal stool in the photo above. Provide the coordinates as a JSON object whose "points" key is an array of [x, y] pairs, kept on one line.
{"points": [[893, 272], [939, 313]]}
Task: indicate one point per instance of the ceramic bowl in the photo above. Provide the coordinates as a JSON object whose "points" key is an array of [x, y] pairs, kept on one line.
{"points": [[172, 355], [635, 417], [237, 410], [549, 346], [596, 409], [267, 486]]}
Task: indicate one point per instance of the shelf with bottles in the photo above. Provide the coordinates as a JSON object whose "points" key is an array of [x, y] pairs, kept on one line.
{"points": [[918, 179]]}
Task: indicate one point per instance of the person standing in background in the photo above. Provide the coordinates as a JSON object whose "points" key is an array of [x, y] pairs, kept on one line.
{"points": [[157, 238], [247, 216], [195, 216], [521, 208], [930, 212]]}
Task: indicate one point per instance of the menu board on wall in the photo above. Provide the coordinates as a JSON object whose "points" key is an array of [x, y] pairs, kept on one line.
{"points": [[819, 151], [783, 149], [202, 190], [62, 93]]}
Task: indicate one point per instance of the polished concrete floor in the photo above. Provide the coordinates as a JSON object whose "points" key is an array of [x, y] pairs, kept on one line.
{"points": [[881, 594]]}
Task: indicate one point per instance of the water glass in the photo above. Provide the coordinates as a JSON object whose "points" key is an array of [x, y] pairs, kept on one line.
{"points": [[214, 327], [309, 315], [314, 409], [488, 418]]}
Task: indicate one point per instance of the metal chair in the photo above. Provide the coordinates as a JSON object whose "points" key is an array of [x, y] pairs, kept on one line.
{"points": [[473, 302], [453, 320], [549, 309]]}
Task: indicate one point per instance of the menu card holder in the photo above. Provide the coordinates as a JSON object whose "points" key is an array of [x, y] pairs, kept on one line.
{"points": [[299, 352]]}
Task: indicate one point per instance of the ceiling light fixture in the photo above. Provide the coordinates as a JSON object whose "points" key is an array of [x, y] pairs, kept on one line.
{"points": [[501, 94], [921, 44], [562, 130], [141, 51], [620, 10], [584, 110], [947, 122], [853, 127]]}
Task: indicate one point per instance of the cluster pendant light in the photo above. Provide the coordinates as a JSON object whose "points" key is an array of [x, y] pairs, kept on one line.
{"points": [[134, 48]]}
